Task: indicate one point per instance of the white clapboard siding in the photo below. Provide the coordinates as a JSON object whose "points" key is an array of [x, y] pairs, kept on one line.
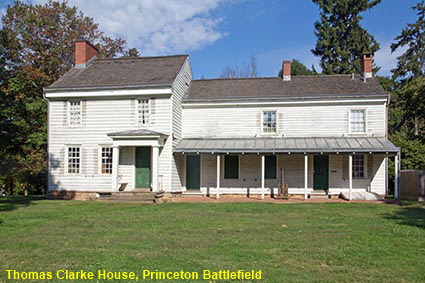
{"points": [[100, 117], [179, 89], [298, 120], [293, 167]]}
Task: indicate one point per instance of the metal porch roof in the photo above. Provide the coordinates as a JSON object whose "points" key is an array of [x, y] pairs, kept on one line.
{"points": [[288, 145]]}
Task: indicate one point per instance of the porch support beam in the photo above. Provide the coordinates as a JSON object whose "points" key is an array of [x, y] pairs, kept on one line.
{"points": [[155, 158], [350, 176], [305, 175], [218, 176], [115, 165], [396, 176], [263, 171]]}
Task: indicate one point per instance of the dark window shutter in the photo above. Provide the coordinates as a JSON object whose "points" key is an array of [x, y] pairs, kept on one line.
{"points": [[270, 167], [345, 167], [231, 167], [370, 166]]}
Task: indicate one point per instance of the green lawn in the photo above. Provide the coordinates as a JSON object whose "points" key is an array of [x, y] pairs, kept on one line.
{"points": [[337, 242]]}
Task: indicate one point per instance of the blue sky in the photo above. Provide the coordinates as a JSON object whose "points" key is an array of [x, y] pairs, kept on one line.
{"points": [[220, 33]]}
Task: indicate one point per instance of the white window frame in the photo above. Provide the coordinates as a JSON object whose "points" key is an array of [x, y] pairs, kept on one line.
{"points": [[262, 122], [67, 147], [365, 168], [100, 159], [350, 130], [69, 113], [138, 122]]}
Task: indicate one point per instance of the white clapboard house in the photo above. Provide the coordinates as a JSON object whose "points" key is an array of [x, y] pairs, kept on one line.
{"points": [[143, 123]]}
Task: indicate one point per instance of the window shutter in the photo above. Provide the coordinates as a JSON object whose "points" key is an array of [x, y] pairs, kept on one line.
{"points": [[83, 112], [345, 167], [258, 121], [133, 111], [370, 166], [152, 111], [280, 123], [65, 114]]}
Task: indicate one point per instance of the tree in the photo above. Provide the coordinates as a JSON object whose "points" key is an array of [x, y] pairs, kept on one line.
{"points": [[341, 40], [412, 62], [38, 44], [299, 69], [248, 70]]}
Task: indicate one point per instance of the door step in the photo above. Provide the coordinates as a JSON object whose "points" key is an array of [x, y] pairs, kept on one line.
{"points": [[134, 197], [319, 194]]}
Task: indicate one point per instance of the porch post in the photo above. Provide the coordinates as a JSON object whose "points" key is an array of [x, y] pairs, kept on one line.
{"points": [[396, 176], [305, 175], [263, 169], [350, 176], [218, 176], [155, 157], [115, 163]]}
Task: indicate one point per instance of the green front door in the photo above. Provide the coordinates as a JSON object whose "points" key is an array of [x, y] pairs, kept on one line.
{"points": [[321, 172], [193, 172], [143, 167]]}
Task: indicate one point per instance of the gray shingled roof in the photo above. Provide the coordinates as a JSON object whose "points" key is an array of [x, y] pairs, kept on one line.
{"points": [[135, 133], [321, 86], [287, 145], [122, 73]]}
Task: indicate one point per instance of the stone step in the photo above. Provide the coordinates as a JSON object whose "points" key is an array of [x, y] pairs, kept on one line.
{"points": [[134, 201]]}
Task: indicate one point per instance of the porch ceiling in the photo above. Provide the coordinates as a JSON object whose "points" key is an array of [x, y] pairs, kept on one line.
{"points": [[288, 145]]}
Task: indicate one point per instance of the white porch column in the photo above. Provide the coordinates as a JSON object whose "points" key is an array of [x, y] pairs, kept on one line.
{"points": [[218, 176], [350, 176], [263, 169], [155, 157], [396, 176], [115, 164], [305, 175]]}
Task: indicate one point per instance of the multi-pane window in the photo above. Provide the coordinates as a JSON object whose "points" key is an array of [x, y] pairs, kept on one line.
{"points": [[75, 113], [358, 166], [269, 122], [143, 111], [270, 167], [231, 167], [106, 160], [358, 121], [74, 160]]}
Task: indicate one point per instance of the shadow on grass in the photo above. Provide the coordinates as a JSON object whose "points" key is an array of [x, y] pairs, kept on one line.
{"points": [[14, 202], [412, 214]]}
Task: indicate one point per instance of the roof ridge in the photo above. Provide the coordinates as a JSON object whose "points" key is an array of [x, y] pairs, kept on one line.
{"points": [[138, 58], [229, 79]]}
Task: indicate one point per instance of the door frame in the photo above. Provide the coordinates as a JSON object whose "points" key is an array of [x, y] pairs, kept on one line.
{"points": [[314, 169], [200, 172], [135, 166]]}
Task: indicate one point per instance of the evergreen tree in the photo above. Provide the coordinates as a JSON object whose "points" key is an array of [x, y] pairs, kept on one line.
{"points": [[299, 69], [341, 40], [412, 62]]}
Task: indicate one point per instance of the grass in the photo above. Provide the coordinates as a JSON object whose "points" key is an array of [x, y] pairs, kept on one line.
{"points": [[336, 242]]}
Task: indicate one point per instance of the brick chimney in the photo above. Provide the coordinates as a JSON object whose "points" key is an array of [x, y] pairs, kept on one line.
{"points": [[367, 63], [85, 52], [286, 70]]}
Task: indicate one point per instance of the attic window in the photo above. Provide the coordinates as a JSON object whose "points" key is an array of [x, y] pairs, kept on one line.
{"points": [[143, 111], [269, 122]]}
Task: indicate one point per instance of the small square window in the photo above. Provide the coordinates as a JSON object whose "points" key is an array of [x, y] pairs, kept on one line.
{"points": [[73, 160], [358, 166], [358, 121], [143, 111], [269, 122], [106, 160], [74, 113]]}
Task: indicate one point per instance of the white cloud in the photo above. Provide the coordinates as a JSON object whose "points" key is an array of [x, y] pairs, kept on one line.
{"points": [[387, 60], [156, 26]]}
